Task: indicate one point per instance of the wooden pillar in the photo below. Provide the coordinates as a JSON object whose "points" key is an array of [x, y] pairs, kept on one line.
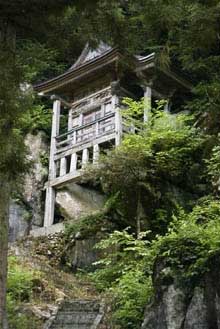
{"points": [[70, 120], [96, 151], [54, 134], [166, 107], [63, 166], [70, 123], [118, 121], [49, 207], [50, 192], [73, 164], [80, 119], [74, 137], [85, 157], [97, 128], [147, 102]]}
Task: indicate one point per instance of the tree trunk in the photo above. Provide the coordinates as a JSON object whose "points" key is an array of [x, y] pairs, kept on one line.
{"points": [[4, 213], [7, 44], [7, 35], [138, 214]]}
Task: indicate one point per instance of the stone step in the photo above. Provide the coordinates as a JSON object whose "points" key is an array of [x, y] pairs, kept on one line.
{"points": [[70, 326], [81, 306], [77, 314], [76, 318]]}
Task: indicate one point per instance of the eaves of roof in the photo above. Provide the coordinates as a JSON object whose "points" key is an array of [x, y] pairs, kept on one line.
{"points": [[144, 63], [79, 71]]}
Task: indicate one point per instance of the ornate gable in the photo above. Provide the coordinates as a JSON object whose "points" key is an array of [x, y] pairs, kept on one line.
{"points": [[89, 54]]}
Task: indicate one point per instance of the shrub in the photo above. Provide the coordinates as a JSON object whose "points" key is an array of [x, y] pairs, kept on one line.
{"points": [[19, 290], [20, 281], [125, 273], [156, 170], [17, 319], [131, 294], [191, 242]]}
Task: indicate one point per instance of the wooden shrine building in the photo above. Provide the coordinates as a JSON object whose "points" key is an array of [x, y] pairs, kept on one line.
{"points": [[90, 93]]}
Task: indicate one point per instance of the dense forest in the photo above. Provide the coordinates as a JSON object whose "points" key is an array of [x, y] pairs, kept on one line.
{"points": [[162, 215]]}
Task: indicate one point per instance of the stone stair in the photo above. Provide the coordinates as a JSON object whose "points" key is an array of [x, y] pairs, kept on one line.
{"points": [[77, 314]]}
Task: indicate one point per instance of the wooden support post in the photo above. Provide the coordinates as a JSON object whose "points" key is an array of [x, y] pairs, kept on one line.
{"points": [[166, 107], [85, 157], [50, 192], [73, 164], [63, 166], [96, 151], [97, 129], [49, 207], [118, 121], [54, 134], [80, 119], [102, 111], [70, 122], [74, 137], [147, 102]]}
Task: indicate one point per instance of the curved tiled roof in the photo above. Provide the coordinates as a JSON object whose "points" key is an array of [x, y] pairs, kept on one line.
{"points": [[89, 61], [92, 60]]}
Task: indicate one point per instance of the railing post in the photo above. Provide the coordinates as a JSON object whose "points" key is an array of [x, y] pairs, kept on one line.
{"points": [[63, 166], [96, 151], [167, 107], [118, 121], [97, 129], [70, 123], [74, 137], [147, 102], [80, 119], [85, 157], [73, 164]]}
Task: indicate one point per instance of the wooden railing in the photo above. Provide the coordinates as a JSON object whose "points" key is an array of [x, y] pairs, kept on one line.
{"points": [[90, 131]]}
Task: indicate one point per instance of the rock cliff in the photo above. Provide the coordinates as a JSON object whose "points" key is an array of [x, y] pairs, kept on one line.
{"points": [[177, 306], [26, 210]]}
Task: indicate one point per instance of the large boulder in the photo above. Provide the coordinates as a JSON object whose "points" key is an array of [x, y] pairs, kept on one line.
{"points": [[76, 200]]}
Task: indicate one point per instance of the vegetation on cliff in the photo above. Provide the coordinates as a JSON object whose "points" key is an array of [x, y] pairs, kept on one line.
{"points": [[166, 179]]}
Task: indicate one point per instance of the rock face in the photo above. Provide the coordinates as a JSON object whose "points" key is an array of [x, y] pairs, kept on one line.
{"points": [[180, 308], [34, 182], [18, 223], [27, 212], [81, 314], [76, 200], [82, 254]]}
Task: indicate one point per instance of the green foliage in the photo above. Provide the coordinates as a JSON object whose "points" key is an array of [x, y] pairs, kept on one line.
{"points": [[20, 287], [191, 244], [18, 320], [184, 254], [88, 225], [122, 252], [37, 118], [37, 61], [160, 167], [13, 103], [20, 281], [132, 292], [213, 167], [124, 272]]}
